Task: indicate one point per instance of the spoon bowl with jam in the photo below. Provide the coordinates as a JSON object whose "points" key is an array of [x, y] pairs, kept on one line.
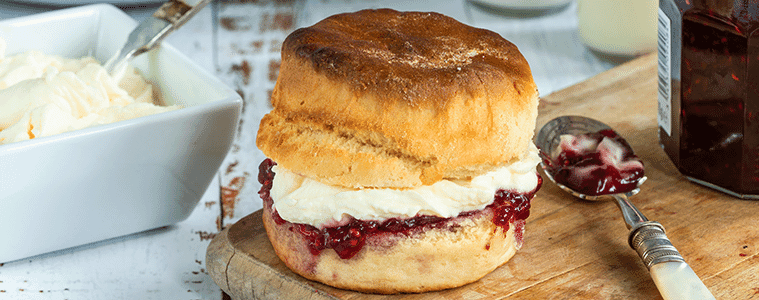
{"points": [[588, 159]]}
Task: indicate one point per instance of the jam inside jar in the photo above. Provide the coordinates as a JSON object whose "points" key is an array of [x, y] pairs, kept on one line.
{"points": [[709, 92]]}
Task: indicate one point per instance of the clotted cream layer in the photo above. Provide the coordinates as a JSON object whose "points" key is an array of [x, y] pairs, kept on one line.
{"points": [[299, 199], [42, 95]]}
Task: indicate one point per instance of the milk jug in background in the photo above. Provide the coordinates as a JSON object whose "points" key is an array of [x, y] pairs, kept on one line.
{"points": [[623, 28]]}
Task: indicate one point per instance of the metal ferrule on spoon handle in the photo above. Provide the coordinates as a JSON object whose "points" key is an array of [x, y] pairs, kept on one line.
{"points": [[672, 275], [652, 245]]}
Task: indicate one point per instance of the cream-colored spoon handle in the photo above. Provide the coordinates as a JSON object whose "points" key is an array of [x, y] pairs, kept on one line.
{"points": [[676, 280], [672, 275]]}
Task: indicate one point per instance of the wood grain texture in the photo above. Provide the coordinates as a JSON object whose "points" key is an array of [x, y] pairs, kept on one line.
{"points": [[573, 249]]}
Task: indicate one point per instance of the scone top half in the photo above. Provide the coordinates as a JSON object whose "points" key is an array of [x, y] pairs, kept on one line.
{"points": [[388, 99]]}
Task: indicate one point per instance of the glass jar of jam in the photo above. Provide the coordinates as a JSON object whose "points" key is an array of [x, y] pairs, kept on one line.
{"points": [[709, 91]]}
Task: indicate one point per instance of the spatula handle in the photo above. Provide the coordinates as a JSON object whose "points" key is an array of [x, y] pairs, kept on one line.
{"points": [[151, 31]]}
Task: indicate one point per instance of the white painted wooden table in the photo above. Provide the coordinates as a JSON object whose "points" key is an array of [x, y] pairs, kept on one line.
{"points": [[239, 41]]}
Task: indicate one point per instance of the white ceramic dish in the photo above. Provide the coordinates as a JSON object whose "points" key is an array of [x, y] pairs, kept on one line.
{"points": [[82, 2], [524, 4], [84, 186]]}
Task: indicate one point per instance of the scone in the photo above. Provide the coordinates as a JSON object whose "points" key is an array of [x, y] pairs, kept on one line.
{"points": [[400, 152]]}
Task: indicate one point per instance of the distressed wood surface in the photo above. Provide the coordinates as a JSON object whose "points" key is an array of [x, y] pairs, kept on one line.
{"points": [[573, 249], [239, 42]]}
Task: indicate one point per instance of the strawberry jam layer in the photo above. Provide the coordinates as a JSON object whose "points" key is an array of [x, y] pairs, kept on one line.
{"points": [[347, 240]]}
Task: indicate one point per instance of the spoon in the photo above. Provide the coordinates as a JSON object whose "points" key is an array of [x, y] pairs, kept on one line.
{"points": [[150, 32], [672, 275]]}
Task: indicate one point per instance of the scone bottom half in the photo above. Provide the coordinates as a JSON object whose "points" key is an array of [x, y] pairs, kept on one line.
{"points": [[388, 99], [410, 255]]}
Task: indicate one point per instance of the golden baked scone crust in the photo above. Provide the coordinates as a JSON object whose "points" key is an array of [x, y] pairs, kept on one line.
{"points": [[380, 98], [436, 259]]}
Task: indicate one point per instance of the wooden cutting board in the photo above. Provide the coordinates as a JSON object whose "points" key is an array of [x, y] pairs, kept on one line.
{"points": [[573, 249]]}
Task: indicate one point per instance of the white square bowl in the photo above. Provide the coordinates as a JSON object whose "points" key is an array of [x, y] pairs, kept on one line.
{"points": [[97, 183]]}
